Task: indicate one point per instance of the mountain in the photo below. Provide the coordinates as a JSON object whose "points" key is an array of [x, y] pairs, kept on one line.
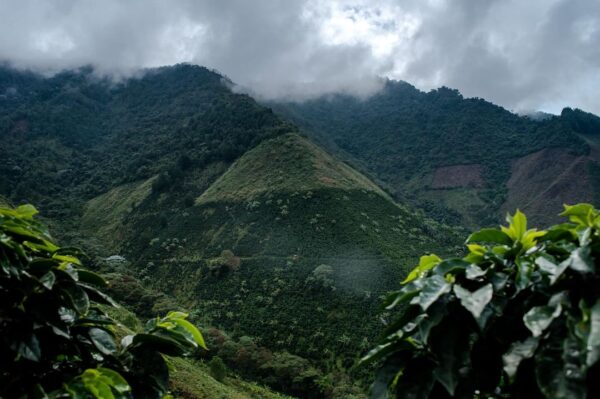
{"points": [[466, 161], [288, 244], [82, 135], [216, 201]]}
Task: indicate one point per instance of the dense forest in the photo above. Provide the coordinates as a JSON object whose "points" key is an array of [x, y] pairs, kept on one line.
{"points": [[453, 156]]}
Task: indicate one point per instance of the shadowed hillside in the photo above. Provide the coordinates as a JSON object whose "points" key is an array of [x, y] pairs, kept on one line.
{"points": [[457, 158]]}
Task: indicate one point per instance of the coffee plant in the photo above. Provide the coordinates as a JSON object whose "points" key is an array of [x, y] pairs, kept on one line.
{"points": [[517, 317], [56, 341]]}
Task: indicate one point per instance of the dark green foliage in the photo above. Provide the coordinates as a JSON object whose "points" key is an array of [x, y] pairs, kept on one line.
{"points": [[71, 137], [582, 122], [275, 293], [218, 369], [56, 340], [280, 370], [517, 317], [402, 136]]}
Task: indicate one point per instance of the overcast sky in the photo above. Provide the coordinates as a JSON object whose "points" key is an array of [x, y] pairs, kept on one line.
{"points": [[521, 54]]}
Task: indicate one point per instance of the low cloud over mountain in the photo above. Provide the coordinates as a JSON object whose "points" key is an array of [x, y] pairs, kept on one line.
{"points": [[529, 55]]}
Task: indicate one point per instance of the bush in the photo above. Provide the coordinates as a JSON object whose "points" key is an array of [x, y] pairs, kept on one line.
{"points": [[518, 316], [162, 182], [321, 277], [218, 369], [56, 341]]}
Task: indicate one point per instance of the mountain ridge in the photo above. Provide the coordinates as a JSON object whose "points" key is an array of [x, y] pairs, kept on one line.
{"points": [[405, 137]]}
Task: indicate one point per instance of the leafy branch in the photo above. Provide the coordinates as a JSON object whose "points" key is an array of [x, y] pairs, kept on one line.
{"points": [[56, 340], [518, 316]]}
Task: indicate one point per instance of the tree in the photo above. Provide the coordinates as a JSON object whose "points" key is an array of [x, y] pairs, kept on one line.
{"points": [[218, 369], [518, 316], [56, 340]]}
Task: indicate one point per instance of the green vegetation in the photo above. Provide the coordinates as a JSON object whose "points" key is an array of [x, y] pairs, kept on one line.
{"points": [[72, 137], [288, 163], [56, 340], [404, 136], [191, 378], [187, 195], [518, 316], [247, 260]]}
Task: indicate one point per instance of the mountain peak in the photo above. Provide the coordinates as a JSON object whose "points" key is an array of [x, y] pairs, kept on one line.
{"points": [[287, 163]]}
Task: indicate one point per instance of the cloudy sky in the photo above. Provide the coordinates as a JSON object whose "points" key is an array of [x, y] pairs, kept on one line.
{"points": [[522, 54]]}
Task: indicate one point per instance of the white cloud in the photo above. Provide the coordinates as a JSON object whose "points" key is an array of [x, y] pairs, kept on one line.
{"points": [[535, 54]]}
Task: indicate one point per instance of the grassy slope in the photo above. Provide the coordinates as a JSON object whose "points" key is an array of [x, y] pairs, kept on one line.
{"points": [[287, 163], [103, 215]]}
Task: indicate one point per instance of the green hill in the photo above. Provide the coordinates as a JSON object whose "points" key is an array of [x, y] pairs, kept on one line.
{"points": [[457, 158], [249, 254], [287, 164]]}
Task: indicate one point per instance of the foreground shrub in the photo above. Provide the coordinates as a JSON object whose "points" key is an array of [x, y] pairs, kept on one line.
{"points": [[56, 341], [518, 316]]}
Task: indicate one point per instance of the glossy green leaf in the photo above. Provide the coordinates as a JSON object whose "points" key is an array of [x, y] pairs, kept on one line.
{"points": [[474, 272], [581, 214], [29, 348], [581, 261], [451, 346], [103, 340], [176, 315], [553, 270], [67, 259], [48, 280], [26, 211], [476, 253], [115, 380], [91, 278], [518, 352], [95, 385], [433, 288], [192, 330], [426, 263], [98, 296], [407, 292], [76, 390], [67, 315], [525, 270], [78, 297], [538, 318], [475, 301], [517, 225], [382, 350], [593, 341], [493, 236], [560, 232], [408, 316], [451, 266]]}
